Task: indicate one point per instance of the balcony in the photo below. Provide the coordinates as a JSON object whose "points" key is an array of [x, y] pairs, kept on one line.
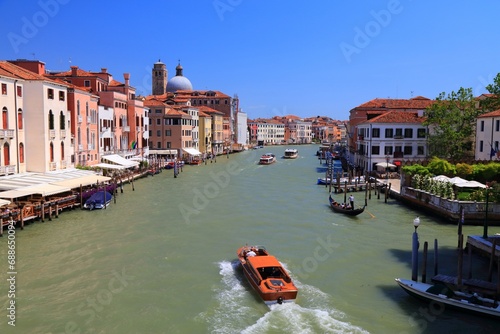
{"points": [[80, 147], [6, 170], [80, 118], [52, 134], [6, 134], [89, 119], [126, 128], [52, 166], [64, 164], [398, 137], [63, 134]]}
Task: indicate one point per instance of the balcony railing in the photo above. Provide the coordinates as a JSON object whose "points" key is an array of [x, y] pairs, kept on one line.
{"points": [[5, 134], [64, 164], [126, 128], [52, 166], [398, 137], [89, 119], [6, 170], [80, 148], [52, 134], [80, 118], [63, 134]]}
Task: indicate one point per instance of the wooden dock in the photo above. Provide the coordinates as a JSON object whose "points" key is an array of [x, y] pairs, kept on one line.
{"points": [[485, 246]]}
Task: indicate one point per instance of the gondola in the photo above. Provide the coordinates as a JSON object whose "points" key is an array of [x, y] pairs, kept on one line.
{"points": [[350, 212]]}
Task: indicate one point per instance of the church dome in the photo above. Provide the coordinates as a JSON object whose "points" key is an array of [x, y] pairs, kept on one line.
{"points": [[179, 82]]}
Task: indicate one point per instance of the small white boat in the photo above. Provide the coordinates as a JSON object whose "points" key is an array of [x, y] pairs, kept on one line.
{"points": [[291, 153], [267, 159], [439, 293]]}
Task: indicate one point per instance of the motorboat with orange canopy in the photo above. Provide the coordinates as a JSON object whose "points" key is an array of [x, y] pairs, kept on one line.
{"points": [[266, 275]]}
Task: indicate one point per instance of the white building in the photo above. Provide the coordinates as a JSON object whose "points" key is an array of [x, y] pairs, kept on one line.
{"points": [[392, 137], [270, 132], [488, 136]]}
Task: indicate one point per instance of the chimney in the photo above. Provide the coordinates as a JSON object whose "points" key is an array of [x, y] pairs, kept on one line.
{"points": [[74, 71], [126, 76], [104, 70]]}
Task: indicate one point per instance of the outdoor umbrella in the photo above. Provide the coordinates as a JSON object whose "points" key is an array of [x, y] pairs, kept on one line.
{"points": [[385, 165]]}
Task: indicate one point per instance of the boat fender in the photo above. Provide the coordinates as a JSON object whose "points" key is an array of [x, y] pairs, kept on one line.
{"points": [[280, 300]]}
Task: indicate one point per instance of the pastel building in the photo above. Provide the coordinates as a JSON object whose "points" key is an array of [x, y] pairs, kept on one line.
{"points": [[488, 136], [48, 142]]}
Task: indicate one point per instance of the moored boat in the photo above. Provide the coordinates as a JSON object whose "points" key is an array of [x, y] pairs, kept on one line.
{"points": [[441, 294], [266, 275], [98, 200], [267, 159], [291, 153]]}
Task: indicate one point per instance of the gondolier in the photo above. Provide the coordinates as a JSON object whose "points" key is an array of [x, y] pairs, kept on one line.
{"points": [[351, 201]]}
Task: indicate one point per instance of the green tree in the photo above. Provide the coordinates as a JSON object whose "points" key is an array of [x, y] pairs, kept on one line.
{"points": [[452, 122], [492, 102], [441, 167]]}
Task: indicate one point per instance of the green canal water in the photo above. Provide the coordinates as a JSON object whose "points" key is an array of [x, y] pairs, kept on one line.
{"points": [[163, 258]]}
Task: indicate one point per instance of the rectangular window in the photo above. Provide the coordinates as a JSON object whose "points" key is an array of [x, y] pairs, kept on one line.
{"points": [[496, 145], [19, 91], [50, 94], [158, 144], [389, 133], [158, 121], [497, 125], [168, 133], [388, 150], [480, 146], [421, 133], [4, 89], [376, 133], [408, 133], [375, 150], [169, 144], [482, 126], [420, 150], [61, 96], [408, 150], [157, 111], [398, 134], [158, 133], [86, 83]]}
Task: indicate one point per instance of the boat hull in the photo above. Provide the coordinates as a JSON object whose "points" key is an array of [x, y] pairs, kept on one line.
{"points": [[267, 277], [99, 200], [463, 302], [348, 212]]}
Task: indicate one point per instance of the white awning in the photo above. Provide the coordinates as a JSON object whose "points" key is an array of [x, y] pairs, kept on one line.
{"points": [[192, 151], [115, 158], [4, 202], [109, 166], [42, 189], [163, 152], [82, 181]]}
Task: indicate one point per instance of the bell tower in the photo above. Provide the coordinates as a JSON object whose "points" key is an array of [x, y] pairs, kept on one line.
{"points": [[159, 78]]}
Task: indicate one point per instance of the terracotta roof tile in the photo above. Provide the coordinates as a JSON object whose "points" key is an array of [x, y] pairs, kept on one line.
{"points": [[418, 102], [396, 117], [494, 113]]}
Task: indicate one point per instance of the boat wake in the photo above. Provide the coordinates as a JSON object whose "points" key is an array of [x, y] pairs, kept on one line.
{"points": [[239, 310]]}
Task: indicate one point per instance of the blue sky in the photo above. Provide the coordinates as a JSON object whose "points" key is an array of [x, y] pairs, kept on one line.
{"points": [[305, 58]]}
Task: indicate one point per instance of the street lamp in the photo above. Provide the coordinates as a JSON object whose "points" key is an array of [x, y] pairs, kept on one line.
{"points": [[414, 251], [416, 223]]}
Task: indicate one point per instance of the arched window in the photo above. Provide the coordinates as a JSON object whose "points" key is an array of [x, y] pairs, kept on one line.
{"points": [[51, 120], [62, 150], [79, 136], [51, 152], [62, 121], [78, 108], [5, 119], [21, 153], [6, 154], [87, 109], [20, 119]]}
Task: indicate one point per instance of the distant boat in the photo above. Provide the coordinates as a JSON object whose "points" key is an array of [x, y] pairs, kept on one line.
{"points": [[291, 153], [266, 275], [443, 295], [98, 200], [267, 159]]}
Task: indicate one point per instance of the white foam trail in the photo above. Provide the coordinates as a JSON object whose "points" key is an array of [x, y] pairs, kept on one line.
{"points": [[232, 315]]}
